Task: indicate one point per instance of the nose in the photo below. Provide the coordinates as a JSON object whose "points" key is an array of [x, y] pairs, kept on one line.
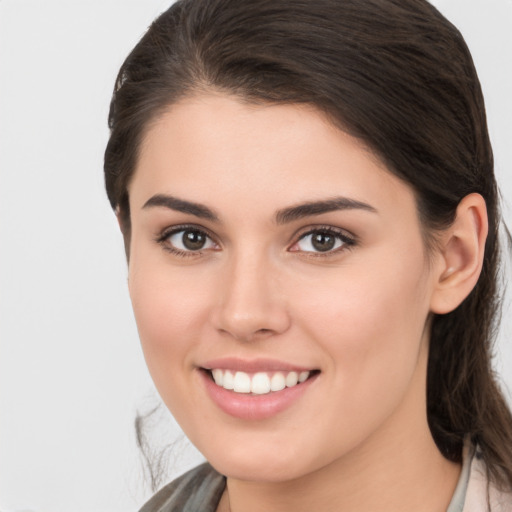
{"points": [[251, 304]]}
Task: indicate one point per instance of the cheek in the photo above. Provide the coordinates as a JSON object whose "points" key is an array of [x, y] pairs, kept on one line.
{"points": [[371, 323], [169, 310], [170, 315]]}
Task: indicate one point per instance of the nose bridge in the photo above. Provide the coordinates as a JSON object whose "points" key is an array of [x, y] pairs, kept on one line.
{"points": [[250, 301]]}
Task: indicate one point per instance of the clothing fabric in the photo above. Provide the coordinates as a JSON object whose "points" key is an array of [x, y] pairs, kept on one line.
{"points": [[473, 494], [200, 490]]}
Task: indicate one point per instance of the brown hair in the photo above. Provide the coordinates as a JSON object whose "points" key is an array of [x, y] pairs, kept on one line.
{"points": [[397, 75]]}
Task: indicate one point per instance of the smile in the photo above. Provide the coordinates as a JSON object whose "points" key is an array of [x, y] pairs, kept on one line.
{"points": [[257, 389], [254, 406], [260, 383]]}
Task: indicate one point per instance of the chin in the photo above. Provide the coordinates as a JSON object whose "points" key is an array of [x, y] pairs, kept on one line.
{"points": [[274, 463], [259, 471]]}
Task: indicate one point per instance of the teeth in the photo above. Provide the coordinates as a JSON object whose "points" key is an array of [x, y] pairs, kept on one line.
{"points": [[218, 376], [259, 383], [228, 381], [291, 379], [303, 376], [277, 382], [242, 383]]}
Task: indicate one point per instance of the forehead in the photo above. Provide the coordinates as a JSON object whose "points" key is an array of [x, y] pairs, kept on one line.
{"points": [[218, 149]]}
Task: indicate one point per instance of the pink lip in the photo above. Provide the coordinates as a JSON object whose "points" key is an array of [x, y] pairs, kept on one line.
{"points": [[252, 366], [253, 407]]}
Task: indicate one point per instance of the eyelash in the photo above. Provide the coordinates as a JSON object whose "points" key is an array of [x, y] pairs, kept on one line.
{"points": [[163, 240], [347, 241]]}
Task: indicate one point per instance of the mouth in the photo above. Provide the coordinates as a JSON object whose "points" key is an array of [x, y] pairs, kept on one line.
{"points": [[254, 390], [258, 383]]}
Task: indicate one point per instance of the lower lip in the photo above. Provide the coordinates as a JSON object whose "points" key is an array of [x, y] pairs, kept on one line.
{"points": [[254, 407]]}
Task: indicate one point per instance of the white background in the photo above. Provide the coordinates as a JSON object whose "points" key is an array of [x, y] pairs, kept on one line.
{"points": [[71, 371]]}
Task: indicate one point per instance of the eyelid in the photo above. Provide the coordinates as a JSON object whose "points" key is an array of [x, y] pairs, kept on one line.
{"points": [[164, 233], [167, 232], [349, 240]]}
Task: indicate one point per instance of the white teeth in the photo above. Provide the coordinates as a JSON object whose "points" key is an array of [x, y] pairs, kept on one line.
{"points": [[303, 376], [242, 383], [291, 379], [228, 382], [277, 382], [217, 376], [259, 383]]}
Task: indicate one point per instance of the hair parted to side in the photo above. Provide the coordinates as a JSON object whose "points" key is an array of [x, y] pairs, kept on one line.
{"points": [[393, 73]]}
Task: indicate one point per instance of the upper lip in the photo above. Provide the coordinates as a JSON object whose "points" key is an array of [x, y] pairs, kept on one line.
{"points": [[252, 365]]}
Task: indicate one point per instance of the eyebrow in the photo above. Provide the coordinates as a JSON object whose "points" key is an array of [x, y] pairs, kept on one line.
{"points": [[180, 205], [318, 207], [283, 216]]}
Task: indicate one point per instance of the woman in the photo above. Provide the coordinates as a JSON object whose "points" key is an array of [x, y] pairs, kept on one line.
{"points": [[310, 216]]}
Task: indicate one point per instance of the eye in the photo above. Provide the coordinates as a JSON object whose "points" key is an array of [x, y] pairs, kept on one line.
{"points": [[322, 240], [187, 240]]}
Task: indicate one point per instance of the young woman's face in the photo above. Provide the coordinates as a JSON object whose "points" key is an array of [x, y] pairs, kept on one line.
{"points": [[269, 249]]}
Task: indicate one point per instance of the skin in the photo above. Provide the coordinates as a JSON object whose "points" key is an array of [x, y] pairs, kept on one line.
{"points": [[358, 438]]}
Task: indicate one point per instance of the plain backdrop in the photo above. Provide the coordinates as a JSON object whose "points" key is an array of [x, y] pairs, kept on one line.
{"points": [[72, 375]]}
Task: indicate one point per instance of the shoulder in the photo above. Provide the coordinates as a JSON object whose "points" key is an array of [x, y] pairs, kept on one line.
{"points": [[198, 489], [479, 490]]}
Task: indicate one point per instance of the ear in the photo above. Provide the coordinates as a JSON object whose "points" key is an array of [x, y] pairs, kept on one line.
{"points": [[461, 255]]}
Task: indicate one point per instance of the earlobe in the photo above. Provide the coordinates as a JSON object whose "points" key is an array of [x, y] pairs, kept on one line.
{"points": [[461, 255]]}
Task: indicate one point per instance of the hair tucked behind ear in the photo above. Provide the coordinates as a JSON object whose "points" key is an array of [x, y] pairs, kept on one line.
{"points": [[397, 75]]}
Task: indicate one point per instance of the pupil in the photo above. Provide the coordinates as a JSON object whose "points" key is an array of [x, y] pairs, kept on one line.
{"points": [[323, 242], [193, 240]]}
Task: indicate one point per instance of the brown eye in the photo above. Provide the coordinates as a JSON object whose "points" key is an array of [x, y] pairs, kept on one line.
{"points": [[190, 240], [193, 240], [323, 241]]}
